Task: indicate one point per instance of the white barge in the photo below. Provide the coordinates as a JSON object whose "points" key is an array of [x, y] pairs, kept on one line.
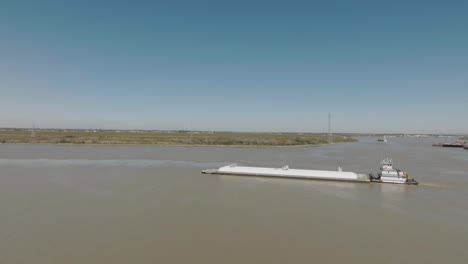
{"points": [[387, 173]]}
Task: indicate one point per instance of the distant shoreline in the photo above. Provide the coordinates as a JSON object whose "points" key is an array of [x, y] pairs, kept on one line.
{"points": [[167, 139], [161, 145]]}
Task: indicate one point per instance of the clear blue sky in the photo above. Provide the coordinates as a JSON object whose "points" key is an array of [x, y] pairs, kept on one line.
{"points": [[378, 66]]}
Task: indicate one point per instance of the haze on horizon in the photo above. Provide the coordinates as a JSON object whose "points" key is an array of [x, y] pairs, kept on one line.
{"points": [[377, 66]]}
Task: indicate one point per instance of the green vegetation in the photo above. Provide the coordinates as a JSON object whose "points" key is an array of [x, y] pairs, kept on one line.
{"points": [[165, 138], [464, 138]]}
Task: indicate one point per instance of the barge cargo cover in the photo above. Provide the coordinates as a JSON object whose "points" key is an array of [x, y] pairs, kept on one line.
{"points": [[286, 172]]}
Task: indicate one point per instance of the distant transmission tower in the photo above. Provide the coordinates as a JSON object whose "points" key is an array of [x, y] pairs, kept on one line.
{"points": [[33, 134], [190, 132], [330, 139]]}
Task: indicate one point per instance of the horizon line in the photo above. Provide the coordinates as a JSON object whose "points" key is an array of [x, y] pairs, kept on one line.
{"points": [[232, 131]]}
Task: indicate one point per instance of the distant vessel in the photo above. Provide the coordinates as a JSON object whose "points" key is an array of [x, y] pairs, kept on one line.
{"points": [[387, 173], [384, 139], [453, 145], [456, 144]]}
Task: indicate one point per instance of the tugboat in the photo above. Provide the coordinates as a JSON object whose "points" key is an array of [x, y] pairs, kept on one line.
{"points": [[388, 174]]}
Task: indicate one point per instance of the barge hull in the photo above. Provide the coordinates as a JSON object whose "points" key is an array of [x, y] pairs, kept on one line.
{"points": [[290, 173], [287, 177]]}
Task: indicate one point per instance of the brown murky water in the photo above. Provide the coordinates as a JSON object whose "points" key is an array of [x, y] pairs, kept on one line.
{"points": [[116, 204]]}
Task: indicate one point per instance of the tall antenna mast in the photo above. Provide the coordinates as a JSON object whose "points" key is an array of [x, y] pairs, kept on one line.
{"points": [[33, 134], [330, 140], [190, 132]]}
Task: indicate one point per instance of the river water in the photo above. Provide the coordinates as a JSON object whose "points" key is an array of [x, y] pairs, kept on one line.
{"points": [[144, 204]]}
